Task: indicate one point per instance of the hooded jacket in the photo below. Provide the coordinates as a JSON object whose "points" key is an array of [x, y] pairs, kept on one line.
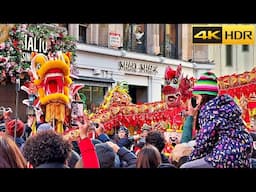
{"points": [[222, 138]]}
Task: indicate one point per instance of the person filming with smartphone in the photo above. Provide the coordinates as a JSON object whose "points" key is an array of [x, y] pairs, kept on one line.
{"points": [[205, 89], [100, 134], [221, 140], [189, 128], [77, 113]]}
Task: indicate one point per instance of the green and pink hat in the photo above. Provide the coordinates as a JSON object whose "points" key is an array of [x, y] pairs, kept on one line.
{"points": [[207, 84]]}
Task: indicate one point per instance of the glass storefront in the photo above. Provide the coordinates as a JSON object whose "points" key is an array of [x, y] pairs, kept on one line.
{"points": [[94, 96], [139, 94]]}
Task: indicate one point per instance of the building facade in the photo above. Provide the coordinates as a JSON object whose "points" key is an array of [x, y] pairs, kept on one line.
{"points": [[231, 59], [135, 53]]}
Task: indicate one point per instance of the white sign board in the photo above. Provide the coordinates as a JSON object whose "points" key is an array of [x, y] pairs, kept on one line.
{"points": [[114, 40]]}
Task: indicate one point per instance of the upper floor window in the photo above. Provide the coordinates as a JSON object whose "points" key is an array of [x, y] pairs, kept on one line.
{"points": [[82, 33], [245, 48], [168, 40], [135, 37], [64, 25], [103, 35], [229, 55]]}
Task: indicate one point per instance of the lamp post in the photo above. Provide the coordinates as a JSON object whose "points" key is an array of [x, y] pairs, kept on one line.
{"points": [[16, 103]]}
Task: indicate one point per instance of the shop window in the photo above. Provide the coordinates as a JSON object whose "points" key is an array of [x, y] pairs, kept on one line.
{"points": [[168, 40], [135, 37], [139, 94], [94, 96], [82, 33]]}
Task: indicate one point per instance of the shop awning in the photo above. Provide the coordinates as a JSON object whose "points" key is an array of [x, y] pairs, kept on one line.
{"points": [[94, 81]]}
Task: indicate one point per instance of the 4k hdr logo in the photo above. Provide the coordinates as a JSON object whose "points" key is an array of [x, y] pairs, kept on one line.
{"points": [[226, 34]]}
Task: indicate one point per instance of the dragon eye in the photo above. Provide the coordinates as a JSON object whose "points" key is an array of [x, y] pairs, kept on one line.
{"points": [[175, 80], [167, 82], [38, 66]]}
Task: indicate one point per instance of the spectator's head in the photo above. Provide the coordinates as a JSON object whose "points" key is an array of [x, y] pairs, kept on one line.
{"points": [[44, 127], [206, 85], [145, 129], [205, 89], [10, 154], [42, 118], [123, 132], [148, 157], [11, 125], [47, 147], [106, 155], [157, 139]]}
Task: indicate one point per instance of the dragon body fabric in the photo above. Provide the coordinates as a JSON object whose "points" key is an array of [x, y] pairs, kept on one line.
{"points": [[117, 107]]}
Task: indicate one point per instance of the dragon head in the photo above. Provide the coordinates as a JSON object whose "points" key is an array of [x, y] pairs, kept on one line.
{"points": [[171, 88], [52, 77]]}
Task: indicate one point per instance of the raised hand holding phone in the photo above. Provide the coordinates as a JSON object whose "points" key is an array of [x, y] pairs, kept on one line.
{"points": [[100, 129], [193, 102], [193, 105], [83, 128], [77, 113]]}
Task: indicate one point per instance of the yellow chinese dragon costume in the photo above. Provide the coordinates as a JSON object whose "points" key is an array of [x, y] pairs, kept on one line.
{"points": [[51, 77]]}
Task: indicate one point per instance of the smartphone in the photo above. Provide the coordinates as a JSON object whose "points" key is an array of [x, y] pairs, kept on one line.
{"points": [[96, 125], [193, 102], [77, 112], [30, 111], [31, 99]]}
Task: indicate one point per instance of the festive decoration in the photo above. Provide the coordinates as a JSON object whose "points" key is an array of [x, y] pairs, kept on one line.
{"points": [[242, 87], [19, 40], [117, 108], [51, 77], [33, 53]]}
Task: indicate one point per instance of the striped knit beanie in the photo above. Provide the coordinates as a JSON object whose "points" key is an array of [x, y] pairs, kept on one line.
{"points": [[206, 85]]}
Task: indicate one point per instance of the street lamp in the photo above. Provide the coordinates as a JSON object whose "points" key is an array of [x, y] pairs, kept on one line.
{"points": [[16, 103]]}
